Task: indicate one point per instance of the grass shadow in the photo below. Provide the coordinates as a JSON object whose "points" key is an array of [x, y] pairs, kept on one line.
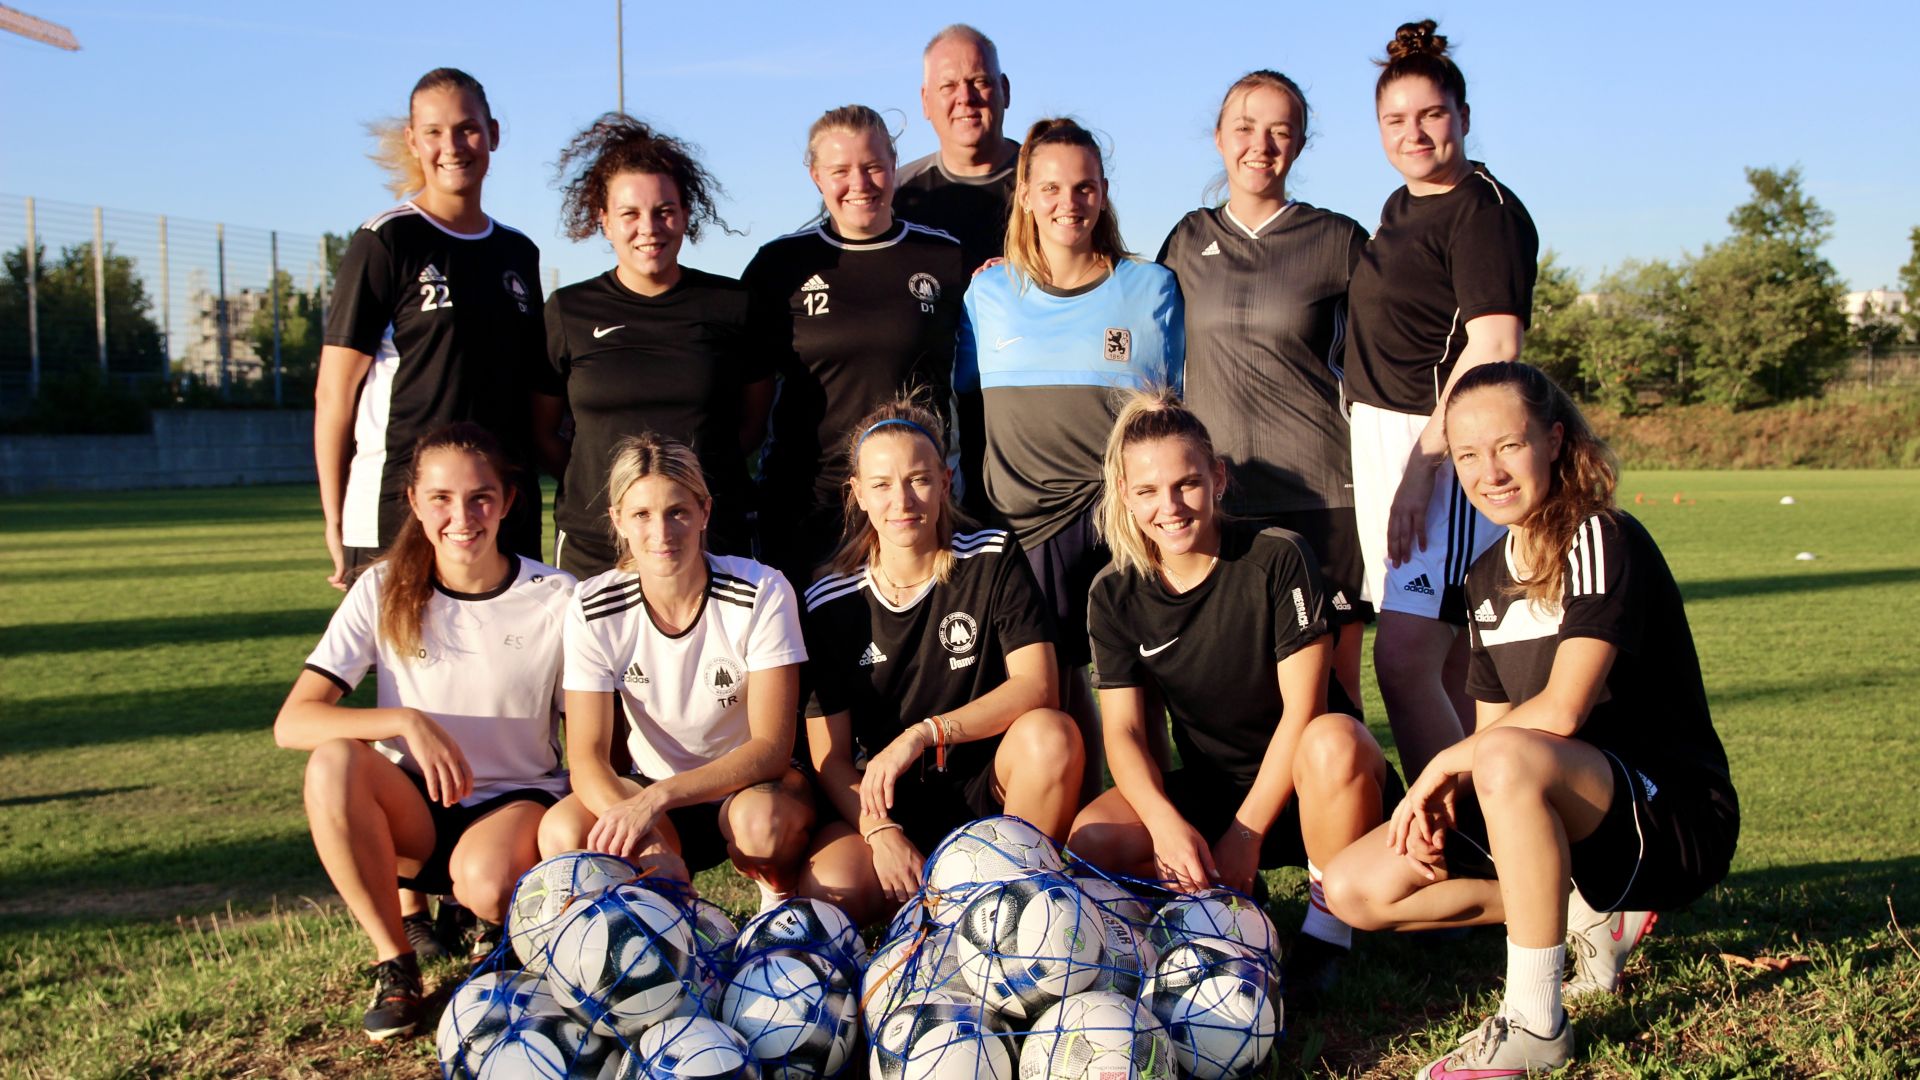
{"points": [[66, 637], [158, 882], [95, 719], [209, 507], [66, 796], [146, 571], [1723, 588]]}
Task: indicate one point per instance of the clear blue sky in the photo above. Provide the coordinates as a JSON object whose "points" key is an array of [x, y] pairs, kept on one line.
{"points": [[1624, 127]]}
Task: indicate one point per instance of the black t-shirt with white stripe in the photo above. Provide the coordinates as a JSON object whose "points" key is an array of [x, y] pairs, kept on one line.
{"points": [[1619, 590], [676, 364], [848, 324], [1266, 317], [1436, 263], [891, 668], [453, 323], [973, 209], [1210, 653]]}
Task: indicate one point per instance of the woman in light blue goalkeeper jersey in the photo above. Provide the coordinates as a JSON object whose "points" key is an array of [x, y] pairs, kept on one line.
{"points": [[1046, 339]]}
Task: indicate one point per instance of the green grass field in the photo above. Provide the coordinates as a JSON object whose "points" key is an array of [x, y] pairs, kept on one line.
{"points": [[162, 912]]}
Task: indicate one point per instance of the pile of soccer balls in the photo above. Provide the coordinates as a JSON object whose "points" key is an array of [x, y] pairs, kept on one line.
{"points": [[1007, 962]]}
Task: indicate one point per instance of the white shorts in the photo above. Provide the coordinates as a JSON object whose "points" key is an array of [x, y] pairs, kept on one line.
{"points": [[1429, 583]]}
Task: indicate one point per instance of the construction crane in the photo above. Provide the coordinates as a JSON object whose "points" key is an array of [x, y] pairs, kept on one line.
{"points": [[28, 26]]}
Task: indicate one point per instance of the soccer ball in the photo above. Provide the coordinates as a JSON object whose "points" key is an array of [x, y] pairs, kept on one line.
{"points": [[903, 968], [1097, 1036], [689, 1048], [988, 850], [542, 1047], [798, 1018], [1215, 913], [1124, 918], [1221, 1004], [713, 936], [622, 960], [1116, 899], [1026, 943], [911, 917], [481, 1010], [543, 893], [941, 1036], [806, 925]]}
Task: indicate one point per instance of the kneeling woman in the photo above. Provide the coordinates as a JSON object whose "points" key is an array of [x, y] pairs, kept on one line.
{"points": [[702, 655], [1594, 762], [1224, 625], [443, 783], [933, 654]]}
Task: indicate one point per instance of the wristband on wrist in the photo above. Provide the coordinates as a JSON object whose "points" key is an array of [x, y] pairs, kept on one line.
{"points": [[939, 742], [880, 828]]}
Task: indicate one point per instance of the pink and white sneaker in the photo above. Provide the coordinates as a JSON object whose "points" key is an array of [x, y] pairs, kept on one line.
{"points": [[1599, 946], [1501, 1048]]}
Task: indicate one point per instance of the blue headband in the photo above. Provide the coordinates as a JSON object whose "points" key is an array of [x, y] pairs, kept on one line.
{"points": [[903, 423]]}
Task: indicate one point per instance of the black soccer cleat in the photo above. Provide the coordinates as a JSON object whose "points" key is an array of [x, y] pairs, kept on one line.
{"points": [[420, 934], [486, 941], [1312, 969], [396, 999]]}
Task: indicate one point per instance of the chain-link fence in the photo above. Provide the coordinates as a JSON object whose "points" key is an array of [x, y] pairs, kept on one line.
{"points": [[143, 299]]}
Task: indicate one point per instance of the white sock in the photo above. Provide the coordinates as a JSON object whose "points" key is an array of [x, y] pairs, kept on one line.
{"points": [[1320, 922], [1533, 987], [770, 899]]}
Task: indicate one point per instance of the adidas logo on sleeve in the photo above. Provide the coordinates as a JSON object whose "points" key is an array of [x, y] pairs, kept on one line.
{"points": [[1484, 613], [872, 655], [1419, 585]]}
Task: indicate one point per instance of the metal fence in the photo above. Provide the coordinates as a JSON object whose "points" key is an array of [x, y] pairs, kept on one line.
{"points": [[143, 297], [1879, 369]]}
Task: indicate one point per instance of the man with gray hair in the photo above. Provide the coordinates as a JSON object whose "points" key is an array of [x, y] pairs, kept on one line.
{"points": [[965, 187]]}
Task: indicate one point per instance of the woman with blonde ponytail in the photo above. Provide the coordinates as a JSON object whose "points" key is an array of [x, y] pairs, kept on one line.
{"points": [[434, 319], [442, 784], [1594, 790]]}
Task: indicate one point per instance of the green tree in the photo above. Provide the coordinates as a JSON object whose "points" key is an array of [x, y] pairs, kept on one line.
{"points": [[66, 317], [1910, 284], [1557, 333], [299, 333], [1637, 342], [1763, 306]]}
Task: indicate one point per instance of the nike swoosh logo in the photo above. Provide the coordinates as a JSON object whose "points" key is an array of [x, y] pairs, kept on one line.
{"points": [[599, 332], [1144, 651], [1441, 1072], [1001, 343]]}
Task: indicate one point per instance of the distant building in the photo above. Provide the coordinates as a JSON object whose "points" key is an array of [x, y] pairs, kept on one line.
{"points": [[1874, 305], [201, 358]]}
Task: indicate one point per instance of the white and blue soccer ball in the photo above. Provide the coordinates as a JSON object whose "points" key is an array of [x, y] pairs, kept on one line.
{"points": [[622, 961], [1221, 1003], [546, 1047], [941, 1036], [797, 1014], [689, 1048], [1097, 1035], [985, 851], [480, 1012], [713, 936], [543, 894], [1220, 913], [807, 925], [1026, 943], [904, 968]]}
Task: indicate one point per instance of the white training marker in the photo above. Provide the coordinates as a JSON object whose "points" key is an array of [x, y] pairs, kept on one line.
{"points": [[1786, 500], [1805, 556]]}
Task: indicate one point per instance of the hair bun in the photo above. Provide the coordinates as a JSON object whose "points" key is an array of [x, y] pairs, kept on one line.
{"points": [[1417, 39]]}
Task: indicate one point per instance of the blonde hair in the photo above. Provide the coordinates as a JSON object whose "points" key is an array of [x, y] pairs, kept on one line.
{"points": [[637, 457], [390, 151], [1145, 416], [859, 541], [852, 119], [1024, 257]]}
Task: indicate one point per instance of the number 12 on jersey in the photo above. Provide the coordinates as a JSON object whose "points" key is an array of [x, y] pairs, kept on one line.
{"points": [[816, 303]]}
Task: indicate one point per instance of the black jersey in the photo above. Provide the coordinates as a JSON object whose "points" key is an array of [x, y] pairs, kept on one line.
{"points": [[453, 323], [1619, 590], [972, 209], [1210, 652], [892, 668], [1436, 263], [1266, 316], [849, 324], [676, 364]]}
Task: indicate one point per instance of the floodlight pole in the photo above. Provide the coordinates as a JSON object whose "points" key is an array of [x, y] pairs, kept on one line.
{"points": [[620, 51]]}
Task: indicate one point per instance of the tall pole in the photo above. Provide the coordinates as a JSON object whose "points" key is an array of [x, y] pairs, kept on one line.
{"points": [[166, 307], [220, 310], [620, 50], [275, 235], [100, 287], [33, 305]]}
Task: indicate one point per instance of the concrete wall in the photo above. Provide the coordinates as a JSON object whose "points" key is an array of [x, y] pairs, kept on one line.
{"points": [[188, 448]]}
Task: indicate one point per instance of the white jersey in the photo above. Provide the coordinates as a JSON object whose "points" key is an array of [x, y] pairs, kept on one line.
{"points": [[685, 695], [487, 671]]}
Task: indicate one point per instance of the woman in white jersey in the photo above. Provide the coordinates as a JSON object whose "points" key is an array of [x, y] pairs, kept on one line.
{"points": [[1048, 337], [442, 784], [932, 653], [1264, 282], [701, 654]]}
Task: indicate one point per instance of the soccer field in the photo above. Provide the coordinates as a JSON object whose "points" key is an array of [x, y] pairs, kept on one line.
{"points": [[162, 911]]}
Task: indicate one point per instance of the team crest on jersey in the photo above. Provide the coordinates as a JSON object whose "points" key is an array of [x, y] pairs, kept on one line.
{"points": [[516, 288], [959, 633], [724, 678], [924, 287], [1119, 344]]}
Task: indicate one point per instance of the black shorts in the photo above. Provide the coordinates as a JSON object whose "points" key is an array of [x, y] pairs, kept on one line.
{"points": [[797, 540], [1667, 837], [929, 804], [1064, 565], [358, 559], [450, 823], [1334, 537], [702, 844], [1208, 799]]}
